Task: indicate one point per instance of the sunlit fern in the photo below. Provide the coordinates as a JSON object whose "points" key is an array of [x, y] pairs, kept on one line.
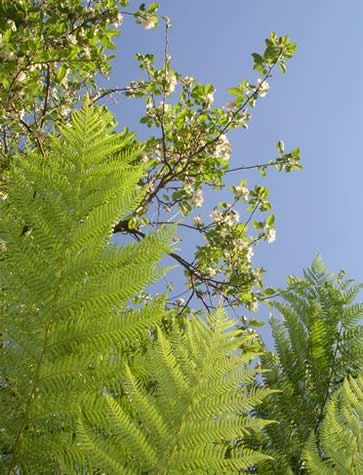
{"points": [[338, 450], [64, 321], [193, 395], [318, 342]]}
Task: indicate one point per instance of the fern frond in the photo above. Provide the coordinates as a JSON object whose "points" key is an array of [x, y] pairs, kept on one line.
{"points": [[339, 448], [318, 342], [65, 286], [180, 419]]}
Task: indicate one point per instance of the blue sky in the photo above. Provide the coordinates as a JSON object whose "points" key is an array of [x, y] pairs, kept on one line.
{"points": [[317, 105]]}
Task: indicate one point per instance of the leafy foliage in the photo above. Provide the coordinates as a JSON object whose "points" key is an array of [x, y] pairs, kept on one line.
{"points": [[190, 395], [87, 381], [192, 152], [318, 343], [339, 448], [51, 52], [64, 320], [54, 51]]}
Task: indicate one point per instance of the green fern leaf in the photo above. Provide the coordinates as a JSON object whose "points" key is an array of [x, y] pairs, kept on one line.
{"points": [[179, 418]]}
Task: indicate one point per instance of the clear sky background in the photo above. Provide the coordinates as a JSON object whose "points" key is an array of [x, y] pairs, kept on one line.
{"points": [[316, 105]]}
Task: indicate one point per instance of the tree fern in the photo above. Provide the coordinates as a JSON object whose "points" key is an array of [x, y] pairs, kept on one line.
{"points": [[339, 448], [318, 342], [64, 285], [177, 414]]}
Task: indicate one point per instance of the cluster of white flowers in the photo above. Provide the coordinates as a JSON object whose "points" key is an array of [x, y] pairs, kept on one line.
{"points": [[241, 191], [210, 98], [118, 21], [241, 122], [239, 245], [197, 221], [166, 107], [249, 254], [270, 234], [171, 82], [263, 87], [197, 199], [150, 22], [132, 89], [21, 76], [227, 218], [223, 148], [231, 218], [216, 215], [72, 39], [211, 272], [186, 80], [87, 51], [158, 153], [12, 25]]}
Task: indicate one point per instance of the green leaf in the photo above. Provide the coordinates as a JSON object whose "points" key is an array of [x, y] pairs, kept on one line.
{"points": [[236, 92]]}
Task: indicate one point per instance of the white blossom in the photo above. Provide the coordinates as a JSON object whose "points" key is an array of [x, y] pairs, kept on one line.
{"points": [[270, 234], [187, 80], [72, 39], [254, 306], [211, 271], [223, 148], [231, 218], [150, 22], [171, 83], [197, 199], [239, 245], [149, 106], [242, 123], [249, 254], [241, 191], [210, 98], [197, 221], [21, 76], [12, 25], [119, 20], [224, 233], [188, 187], [216, 215], [263, 87]]}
